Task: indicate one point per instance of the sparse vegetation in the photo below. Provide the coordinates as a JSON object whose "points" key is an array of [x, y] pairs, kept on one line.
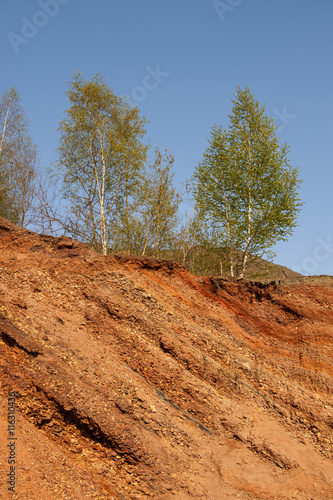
{"points": [[245, 190], [116, 198], [18, 161]]}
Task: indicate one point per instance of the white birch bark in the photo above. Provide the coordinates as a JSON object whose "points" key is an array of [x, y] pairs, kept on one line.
{"points": [[101, 194], [249, 211], [229, 233], [4, 127]]}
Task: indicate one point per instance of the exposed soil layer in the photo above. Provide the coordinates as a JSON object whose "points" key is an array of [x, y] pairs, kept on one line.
{"points": [[135, 379]]}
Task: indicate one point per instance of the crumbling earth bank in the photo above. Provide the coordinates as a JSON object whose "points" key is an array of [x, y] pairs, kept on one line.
{"points": [[135, 379]]}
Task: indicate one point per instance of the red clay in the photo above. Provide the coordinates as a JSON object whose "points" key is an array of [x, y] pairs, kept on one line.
{"points": [[135, 379]]}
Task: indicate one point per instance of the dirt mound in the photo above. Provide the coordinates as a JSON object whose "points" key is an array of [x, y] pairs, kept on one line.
{"points": [[132, 378]]}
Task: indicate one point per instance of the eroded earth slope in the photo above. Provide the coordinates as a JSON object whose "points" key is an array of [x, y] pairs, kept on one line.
{"points": [[135, 379]]}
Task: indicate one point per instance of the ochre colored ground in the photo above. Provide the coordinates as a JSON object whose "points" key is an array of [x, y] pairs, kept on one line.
{"points": [[135, 379]]}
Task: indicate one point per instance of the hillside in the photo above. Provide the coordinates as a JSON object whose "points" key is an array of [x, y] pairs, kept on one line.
{"points": [[135, 379]]}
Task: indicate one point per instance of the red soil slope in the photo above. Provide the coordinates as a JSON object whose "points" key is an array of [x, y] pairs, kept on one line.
{"points": [[135, 379]]}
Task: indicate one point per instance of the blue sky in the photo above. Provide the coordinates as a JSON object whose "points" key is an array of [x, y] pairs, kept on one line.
{"points": [[181, 61]]}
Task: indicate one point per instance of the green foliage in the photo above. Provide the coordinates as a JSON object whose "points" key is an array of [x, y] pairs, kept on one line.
{"points": [[245, 190], [101, 154], [114, 202], [158, 205], [18, 159]]}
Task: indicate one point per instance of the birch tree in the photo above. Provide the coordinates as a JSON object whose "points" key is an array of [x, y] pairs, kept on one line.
{"points": [[158, 206], [18, 160], [245, 187], [101, 154]]}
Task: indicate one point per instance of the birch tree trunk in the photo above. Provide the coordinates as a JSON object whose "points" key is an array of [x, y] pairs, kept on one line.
{"points": [[231, 258], [4, 127], [249, 211], [101, 195]]}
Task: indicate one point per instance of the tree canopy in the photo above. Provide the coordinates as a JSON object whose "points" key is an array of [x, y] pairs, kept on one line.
{"points": [[245, 190], [118, 199], [18, 160], [101, 152]]}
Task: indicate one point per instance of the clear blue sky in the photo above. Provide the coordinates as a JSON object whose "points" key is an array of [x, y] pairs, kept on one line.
{"points": [[181, 61]]}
